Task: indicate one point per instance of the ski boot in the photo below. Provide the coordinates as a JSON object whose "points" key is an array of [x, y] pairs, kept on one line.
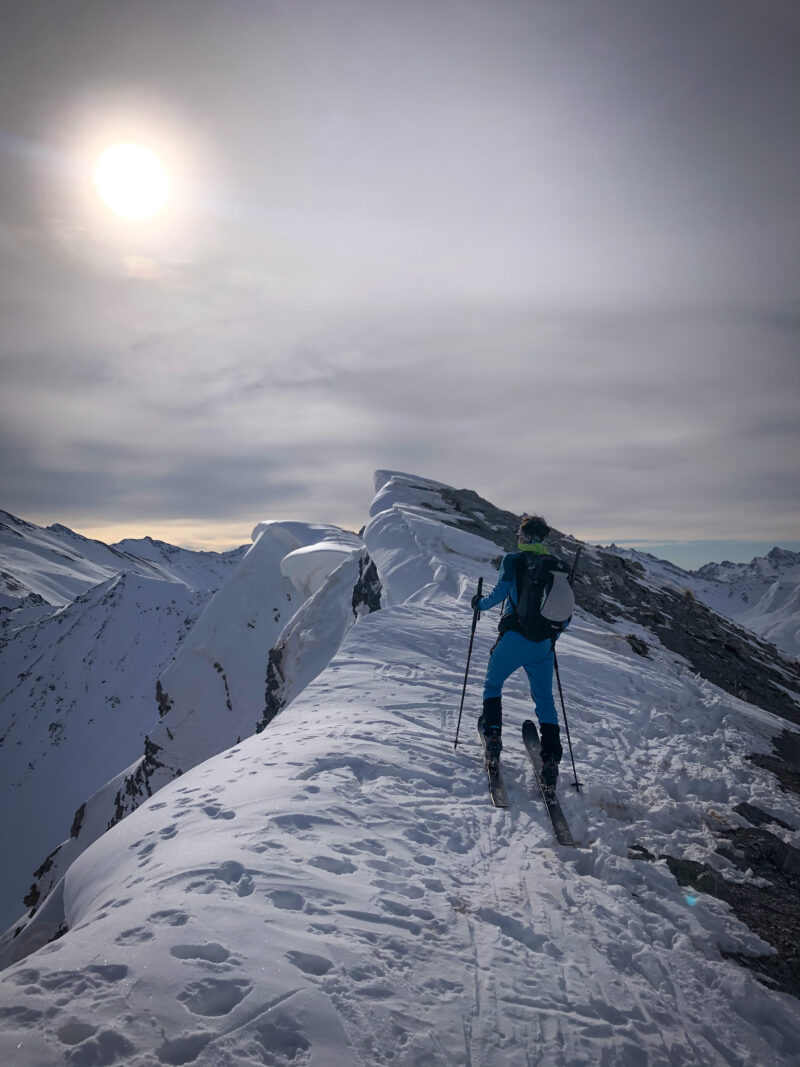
{"points": [[490, 725], [551, 753]]}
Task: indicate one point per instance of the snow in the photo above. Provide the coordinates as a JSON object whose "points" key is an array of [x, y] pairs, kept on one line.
{"points": [[307, 568], [338, 890], [78, 698], [79, 669], [58, 564], [211, 694], [763, 595]]}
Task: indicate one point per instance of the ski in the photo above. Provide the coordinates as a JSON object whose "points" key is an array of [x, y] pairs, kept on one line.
{"points": [[497, 786], [530, 735]]}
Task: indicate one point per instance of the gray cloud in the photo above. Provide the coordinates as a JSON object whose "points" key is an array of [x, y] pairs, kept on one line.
{"points": [[548, 251]]}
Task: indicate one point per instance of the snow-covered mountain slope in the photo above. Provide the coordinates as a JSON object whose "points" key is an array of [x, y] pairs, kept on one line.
{"points": [[85, 630], [197, 569], [338, 890], [762, 595], [213, 691], [54, 564], [78, 696]]}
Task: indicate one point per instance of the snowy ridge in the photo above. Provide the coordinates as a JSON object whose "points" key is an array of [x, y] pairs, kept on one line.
{"points": [[337, 890]]}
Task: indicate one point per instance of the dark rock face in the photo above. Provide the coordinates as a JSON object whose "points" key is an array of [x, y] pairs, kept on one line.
{"points": [[772, 911], [614, 588], [784, 762], [640, 647], [757, 816], [137, 785], [77, 821], [162, 699], [367, 590], [273, 695]]}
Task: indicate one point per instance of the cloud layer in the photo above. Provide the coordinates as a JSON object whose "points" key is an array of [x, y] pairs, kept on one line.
{"points": [[546, 251]]}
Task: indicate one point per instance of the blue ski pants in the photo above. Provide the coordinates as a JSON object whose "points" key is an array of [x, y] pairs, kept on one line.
{"points": [[513, 651]]}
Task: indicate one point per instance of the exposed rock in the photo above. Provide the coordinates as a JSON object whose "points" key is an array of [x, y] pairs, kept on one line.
{"points": [[771, 911], [162, 699], [273, 700], [758, 817], [784, 762], [137, 785], [367, 590], [639, 852], [640, 647], [75, 829]]}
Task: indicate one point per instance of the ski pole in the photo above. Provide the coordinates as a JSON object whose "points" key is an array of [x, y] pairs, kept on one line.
{"points": [[575, 564], [475, 616], [576, 784]]}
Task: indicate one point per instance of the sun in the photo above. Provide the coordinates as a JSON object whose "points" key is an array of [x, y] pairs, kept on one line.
{"points": [[131, 180]]}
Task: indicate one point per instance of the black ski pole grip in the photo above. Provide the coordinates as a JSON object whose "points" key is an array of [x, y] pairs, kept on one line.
{"points": [[477, 614]]}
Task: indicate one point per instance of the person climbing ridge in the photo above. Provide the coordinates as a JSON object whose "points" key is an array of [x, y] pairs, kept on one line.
{"points": [[538, 604]]}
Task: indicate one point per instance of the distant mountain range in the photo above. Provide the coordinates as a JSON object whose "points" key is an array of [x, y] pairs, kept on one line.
{"points": [[762, 595], [53, 564]]}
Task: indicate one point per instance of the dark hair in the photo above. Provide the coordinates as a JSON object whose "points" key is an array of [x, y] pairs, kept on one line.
{"points": [[534, 526]]}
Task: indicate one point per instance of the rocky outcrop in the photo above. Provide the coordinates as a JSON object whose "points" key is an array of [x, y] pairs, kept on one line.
{"points": [[367, 590]]}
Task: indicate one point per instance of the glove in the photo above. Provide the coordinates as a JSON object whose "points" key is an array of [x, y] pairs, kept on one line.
{"points": [[475, 603]]}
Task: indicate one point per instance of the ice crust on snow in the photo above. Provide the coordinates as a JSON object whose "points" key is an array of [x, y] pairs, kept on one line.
{"points": [[338, 890]]}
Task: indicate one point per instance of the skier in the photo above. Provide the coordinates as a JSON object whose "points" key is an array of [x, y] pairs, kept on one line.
{"points": [[512, 650]]}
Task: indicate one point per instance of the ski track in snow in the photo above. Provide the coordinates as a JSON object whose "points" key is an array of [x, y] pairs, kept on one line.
{"points": [[339, 890]]}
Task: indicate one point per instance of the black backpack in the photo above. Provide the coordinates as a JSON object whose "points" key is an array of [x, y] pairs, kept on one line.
{"points": [[546, 600]]}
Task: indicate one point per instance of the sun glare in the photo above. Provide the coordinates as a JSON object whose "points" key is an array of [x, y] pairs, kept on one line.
{"points": [[131, 180]]}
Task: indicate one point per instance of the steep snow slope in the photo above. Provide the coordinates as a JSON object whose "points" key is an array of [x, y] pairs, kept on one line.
{"points": [[78, 695], [213, 692], [85, 630], [338, 890]]}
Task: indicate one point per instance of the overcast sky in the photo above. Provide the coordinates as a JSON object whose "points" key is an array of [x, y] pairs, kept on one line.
{"points": [[544, 250]]}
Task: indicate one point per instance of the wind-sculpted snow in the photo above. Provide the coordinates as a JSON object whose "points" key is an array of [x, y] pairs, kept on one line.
{"points": [[315, 632], [309, 567], [338, 890], [417, 553]]}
